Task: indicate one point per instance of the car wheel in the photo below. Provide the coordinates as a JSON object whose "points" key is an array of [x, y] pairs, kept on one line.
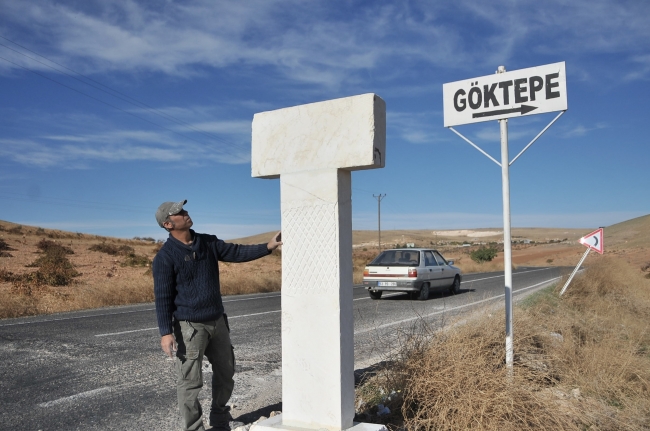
{"points": [[455, 288], [424, 292], [375, 294]]}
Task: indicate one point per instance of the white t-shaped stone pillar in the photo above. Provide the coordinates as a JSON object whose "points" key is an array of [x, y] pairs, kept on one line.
{"points": [[313, 148]]}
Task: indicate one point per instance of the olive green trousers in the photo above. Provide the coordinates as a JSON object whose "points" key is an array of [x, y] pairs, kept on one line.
{"points": [[212, 340]]}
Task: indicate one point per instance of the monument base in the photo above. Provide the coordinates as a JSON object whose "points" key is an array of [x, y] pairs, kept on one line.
{"points": [[275, 424]]}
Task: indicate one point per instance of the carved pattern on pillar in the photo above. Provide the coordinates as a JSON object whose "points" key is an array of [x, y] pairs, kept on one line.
{"points": [[310, 254]]}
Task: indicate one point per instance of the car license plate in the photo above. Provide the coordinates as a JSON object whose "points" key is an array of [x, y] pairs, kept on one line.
{"points": [[386, 283]]}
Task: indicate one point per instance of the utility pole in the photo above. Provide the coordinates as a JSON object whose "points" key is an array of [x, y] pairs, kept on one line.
{"points": [[379, 198]]}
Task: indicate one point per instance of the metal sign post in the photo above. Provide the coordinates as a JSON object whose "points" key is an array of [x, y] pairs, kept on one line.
{"points": [[499, 97], [507, 238]]}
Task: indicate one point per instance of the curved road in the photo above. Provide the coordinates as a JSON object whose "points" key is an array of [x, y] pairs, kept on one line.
{"points": [[104, 370]]}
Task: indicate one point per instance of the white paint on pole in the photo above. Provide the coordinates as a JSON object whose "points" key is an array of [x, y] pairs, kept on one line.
{"points": [[535, 90], [313, 148], [507, 240]]}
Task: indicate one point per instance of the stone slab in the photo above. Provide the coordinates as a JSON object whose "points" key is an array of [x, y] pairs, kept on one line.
{"points": [[347, 133]]}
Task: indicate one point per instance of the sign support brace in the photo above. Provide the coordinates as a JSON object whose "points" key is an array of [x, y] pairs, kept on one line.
{"points": [[584, 256]]}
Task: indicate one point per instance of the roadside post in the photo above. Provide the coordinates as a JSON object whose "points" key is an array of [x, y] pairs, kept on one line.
{"points": [[504, 95], [593, 241], [313, 149]]}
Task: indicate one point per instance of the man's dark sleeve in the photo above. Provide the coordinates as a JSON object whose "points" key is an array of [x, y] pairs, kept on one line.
{"points": [[228, 252], [164, 287]]}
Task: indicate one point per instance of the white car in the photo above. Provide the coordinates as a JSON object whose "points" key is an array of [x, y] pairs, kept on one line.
{"points": [[415, 270]]}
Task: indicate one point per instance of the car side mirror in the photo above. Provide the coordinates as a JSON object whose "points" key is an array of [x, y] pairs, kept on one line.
{"points": [[450, 262]]}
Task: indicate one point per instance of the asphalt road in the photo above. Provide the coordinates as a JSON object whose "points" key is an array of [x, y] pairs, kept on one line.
{"points": [[104, 370]]}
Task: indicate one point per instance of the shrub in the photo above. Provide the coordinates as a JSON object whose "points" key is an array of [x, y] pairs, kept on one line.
{"points": [[16, 230], [54, 268], [112, 249], [483, 254], [133, 259], [46, 245], [6, 275], [4, 246], [146, 238]]}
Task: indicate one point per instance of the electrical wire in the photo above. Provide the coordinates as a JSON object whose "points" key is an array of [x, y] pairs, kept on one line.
{"points": [[117, 94], [220, 150]]}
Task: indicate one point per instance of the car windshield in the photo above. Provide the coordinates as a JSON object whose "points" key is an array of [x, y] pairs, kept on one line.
{"points": [[397, 258]]}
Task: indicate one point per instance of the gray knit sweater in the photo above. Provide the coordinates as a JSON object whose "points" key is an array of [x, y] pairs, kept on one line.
{"points": [[186, 277]]}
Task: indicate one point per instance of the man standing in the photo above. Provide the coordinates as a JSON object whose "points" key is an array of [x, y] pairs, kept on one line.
{"points": [[190, 311]]}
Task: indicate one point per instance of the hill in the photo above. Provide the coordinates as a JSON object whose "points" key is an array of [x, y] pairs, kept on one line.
{"points": [[105, 271]]}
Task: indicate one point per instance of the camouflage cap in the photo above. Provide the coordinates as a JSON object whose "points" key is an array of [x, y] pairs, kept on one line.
{"points": [[168, 208]]}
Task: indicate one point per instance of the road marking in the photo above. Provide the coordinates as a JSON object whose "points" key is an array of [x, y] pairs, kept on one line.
{"points": [[56, 319], [250, 299], [125, 332], [387, 325], [357, 299], [151, 329], [253, 314], [231, 300], [75, 397]]}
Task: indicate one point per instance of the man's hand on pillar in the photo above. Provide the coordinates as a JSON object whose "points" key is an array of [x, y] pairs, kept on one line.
{"points": [[275, 242]]}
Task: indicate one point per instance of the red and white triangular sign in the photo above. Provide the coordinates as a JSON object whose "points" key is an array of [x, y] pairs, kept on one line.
{"points": [[594, 240]]}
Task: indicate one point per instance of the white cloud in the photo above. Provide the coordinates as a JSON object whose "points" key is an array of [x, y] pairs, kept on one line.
{"points": [[417, 127], [76, 141], [319, 42], [581, 130], [642, 70], [116, 146]]}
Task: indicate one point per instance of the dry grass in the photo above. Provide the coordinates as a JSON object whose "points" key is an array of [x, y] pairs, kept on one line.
{"points": [[52, 271], [49, 299], [581, 362], [262, 275]]}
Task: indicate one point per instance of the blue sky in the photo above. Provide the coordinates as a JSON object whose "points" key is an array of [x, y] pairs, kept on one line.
{"points": [[174, 87]]}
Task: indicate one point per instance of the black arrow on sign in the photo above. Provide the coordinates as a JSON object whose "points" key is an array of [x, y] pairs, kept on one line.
{"points": [[523, 109]]}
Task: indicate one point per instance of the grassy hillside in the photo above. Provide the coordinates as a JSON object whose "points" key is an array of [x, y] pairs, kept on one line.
{"points": [[91, 271], [630, 233]]}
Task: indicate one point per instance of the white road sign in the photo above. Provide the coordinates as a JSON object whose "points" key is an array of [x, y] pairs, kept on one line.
{"points": [[535, 90], [594, 240]]}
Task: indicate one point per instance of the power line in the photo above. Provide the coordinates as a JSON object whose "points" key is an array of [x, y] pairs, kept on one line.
{"points": [[126, 98], [111, 105], [117, 107]]}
